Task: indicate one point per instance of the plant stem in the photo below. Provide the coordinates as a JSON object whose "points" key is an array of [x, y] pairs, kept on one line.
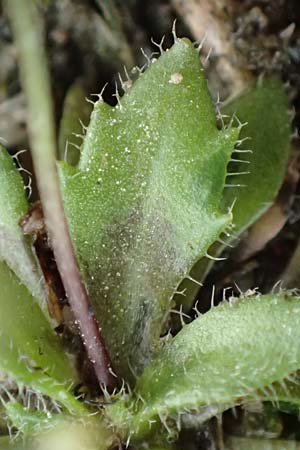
{"points": [[28, 35]]}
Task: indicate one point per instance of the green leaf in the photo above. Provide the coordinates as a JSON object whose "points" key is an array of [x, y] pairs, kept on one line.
{"points": [[226, 357], [266, 133], [14, 248], [45, 430], [30, 352], [75, 108], [87, 433], [32, 422], [265, 110], [143, 203]]}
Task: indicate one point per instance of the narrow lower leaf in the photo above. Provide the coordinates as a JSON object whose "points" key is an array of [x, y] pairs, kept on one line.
{"points": [[75, 109], [30, 352], [226, 357], [32, 422], [143, 202], [14, 249], [43, 430]]}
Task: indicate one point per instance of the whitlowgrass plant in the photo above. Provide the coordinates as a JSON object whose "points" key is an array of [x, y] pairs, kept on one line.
{"points": [[164, 181]]}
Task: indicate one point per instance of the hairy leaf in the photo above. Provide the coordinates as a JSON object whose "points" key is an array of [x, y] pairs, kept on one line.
{"points": [[264, 110], [59, 430], [143, 202], [29, 421], [76, 109], [233, 353], [257, 166], [30, 352], [14, 249]]}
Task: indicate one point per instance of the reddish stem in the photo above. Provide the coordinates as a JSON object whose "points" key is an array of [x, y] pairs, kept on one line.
{"points": [[28, 35]]}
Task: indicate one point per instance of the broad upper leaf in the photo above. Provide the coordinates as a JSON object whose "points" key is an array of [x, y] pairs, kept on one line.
{"points": [[143, 202]]}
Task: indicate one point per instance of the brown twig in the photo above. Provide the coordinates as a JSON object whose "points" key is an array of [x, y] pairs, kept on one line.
{"points": [[209, 25]]}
